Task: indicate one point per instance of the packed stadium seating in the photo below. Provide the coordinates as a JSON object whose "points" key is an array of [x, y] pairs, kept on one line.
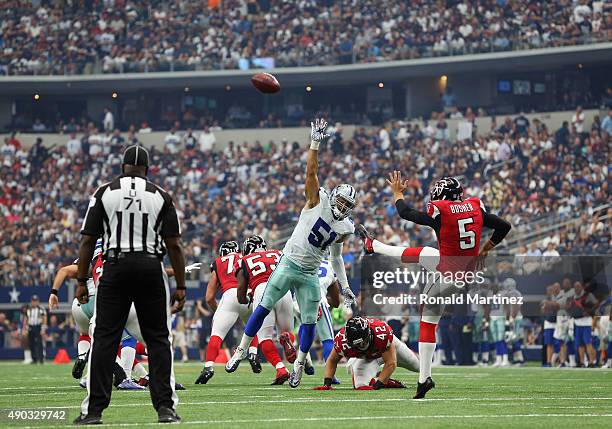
{"points": [[144, 36], [531, 174]]}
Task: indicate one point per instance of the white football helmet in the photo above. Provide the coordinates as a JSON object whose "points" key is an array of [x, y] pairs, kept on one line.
{"points": [[342, 199]]}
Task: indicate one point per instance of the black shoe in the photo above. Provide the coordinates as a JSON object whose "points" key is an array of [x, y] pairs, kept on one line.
{"points": [[87, 420], [205, 375], [167, 415], [179, 386], [77, 369], [423, 388], [366, 239], [254, 361]]}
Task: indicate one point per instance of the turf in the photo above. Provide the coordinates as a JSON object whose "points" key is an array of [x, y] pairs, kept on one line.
{"points": [[464, 397]]}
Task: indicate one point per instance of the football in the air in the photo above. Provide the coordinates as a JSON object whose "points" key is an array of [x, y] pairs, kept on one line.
{"points": [[266, 83]]}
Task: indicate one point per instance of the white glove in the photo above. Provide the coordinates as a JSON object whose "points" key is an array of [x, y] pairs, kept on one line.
{"points": [[318, 133], [349, 297], [192, 267]]}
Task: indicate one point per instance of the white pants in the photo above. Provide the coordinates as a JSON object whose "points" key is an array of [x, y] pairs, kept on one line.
{"points": [[228, 311], [80, 318], [281, 314], [132, 327], [364, 370], [562, 328]]}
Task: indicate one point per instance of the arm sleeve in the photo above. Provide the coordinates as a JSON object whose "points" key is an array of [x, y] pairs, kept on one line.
{"points": [[500, 227], [335, 250], [93, 223], [416, 216], [170, 222]]}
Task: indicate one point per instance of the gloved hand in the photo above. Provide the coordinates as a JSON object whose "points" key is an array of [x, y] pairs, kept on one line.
{"points": [[349, 297], [192, 267]]}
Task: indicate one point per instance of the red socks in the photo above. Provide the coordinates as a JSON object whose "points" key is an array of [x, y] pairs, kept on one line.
{"points": [[212, 351], [427, 333], [270, 352], [411, 255]]}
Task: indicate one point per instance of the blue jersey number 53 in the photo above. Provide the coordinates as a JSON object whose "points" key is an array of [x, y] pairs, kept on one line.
{"points": [[321, 235]]}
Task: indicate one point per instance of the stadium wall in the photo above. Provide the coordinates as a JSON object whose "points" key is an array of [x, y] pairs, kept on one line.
{"points": [[553, 121]]}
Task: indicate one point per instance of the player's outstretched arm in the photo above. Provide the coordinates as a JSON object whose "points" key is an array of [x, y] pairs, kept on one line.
{"points": [[211, 291], [398, 187], [67, 272], [335, 252], [318, 133], [389, 367], [500, 228], [330, 370]]}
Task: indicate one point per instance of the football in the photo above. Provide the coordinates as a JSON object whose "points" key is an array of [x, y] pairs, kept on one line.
{"points": [[266, 83]]}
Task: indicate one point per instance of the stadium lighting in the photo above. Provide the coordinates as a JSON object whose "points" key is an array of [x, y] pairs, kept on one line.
{"points": [[443, 78], [36, 97], [114, 95], [186, 89], [580, 66], [381, 84], [308, 88], [228, 87]]}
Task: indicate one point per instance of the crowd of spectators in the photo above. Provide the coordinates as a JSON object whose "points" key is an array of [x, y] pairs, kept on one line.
{"points": [[519, 168], [111, 36]]}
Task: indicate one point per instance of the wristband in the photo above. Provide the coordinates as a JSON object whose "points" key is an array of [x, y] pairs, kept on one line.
{"points": [[181, 288], [314, 145], [327, 382], [53, 292]]}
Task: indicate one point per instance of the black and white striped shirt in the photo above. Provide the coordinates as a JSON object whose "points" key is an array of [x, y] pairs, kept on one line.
{"points": [[35, 315], [132, 215]]}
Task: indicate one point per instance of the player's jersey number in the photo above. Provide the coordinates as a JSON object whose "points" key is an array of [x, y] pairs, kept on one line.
{"points": [[258, 267], [321, 235], [467, 238], [230, 265]]}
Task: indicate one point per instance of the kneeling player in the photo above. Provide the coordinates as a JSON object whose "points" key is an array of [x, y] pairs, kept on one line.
{"points": [[369, 343]]}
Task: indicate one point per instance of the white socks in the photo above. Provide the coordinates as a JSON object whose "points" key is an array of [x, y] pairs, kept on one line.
{"points": [[139, 370], [82, 348], [385, 249], [426, 352], [128, 354], [253, 350], [280, 365], [27, 355], [209, 364], [246, 340], [301, 357]]}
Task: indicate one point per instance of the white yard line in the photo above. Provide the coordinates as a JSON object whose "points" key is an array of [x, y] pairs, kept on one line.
{"points": [[347, 418]]}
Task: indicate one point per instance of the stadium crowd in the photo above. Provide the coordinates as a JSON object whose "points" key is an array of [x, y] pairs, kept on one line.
{"points": [[520, 169], [113, 36]]}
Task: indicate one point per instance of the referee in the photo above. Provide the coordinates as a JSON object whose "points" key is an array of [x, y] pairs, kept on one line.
{"points": [[138, 222], [36, 322]]}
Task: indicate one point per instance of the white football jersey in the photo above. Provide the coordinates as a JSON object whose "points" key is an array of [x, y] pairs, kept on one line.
{"points": [[497, 310], [326, 278], [315, 231], [561, 299]]}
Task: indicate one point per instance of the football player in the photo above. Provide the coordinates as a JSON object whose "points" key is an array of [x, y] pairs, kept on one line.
{"points": [[323, 226], [458, 224], [253, 271], [369, 343], [563, 345], [227, 311]]}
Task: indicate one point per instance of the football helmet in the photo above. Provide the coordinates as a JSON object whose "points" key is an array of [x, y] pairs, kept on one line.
{"points": [[447, 188], [509, 284], [342, 200], [253, 244], [229, 247], [358, 333]]}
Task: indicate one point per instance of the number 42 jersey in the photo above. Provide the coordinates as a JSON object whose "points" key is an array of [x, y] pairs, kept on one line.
{"points": [[315, 231]]}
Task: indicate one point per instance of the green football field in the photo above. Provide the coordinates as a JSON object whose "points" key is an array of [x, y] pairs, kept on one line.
{"points": [[464, 397]]}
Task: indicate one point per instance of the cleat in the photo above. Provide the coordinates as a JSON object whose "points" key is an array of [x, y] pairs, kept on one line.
{"points": [[83, 383], [205, 375], [128, 384], [308, 368], [335, 380], [287, 343], [296, 376], [77, 369], [167, 415], [87, 420], [179, 386], [423, 388], [282, 375], [366, 238], [254, 361], [394, 384], [234, 362]]}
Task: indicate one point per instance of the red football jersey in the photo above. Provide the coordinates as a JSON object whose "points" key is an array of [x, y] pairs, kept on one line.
{"points": [[96, 270], [258, 266], [460, 231], [224, 267], [382, 339]]}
